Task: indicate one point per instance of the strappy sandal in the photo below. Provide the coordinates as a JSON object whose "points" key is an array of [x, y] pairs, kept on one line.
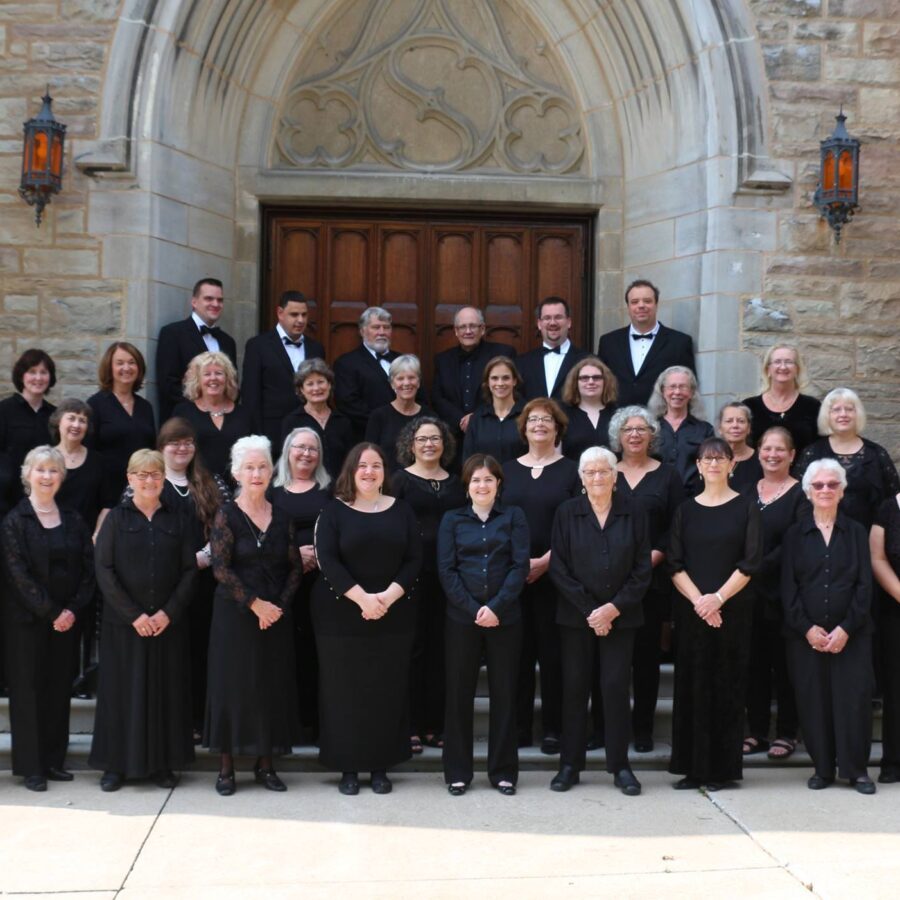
{"points": [[781, 749], [415, 745], [753, 745]]}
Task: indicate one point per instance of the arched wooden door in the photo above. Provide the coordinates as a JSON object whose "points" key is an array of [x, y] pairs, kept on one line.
{"points": [[423, 269]]}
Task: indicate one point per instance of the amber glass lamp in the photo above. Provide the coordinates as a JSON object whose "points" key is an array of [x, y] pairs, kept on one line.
{"points": [[838, 190], [42, 159]]}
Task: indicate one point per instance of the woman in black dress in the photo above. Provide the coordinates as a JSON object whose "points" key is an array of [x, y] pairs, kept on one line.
{"points": [[370, 552], [483, 557], [656, 488], [386, 422], [589, 401], [145, 569], [314, 383], [715, 545], [426, 447], [781, 402], [601, 567], [733, 425], [538, 482], [251, 706], [198, 495], [826, 589], [781, 501], [210, 405], [884, 543], [48, 556], [871, 474], [302, 488], [122, 422], [493, 429]]}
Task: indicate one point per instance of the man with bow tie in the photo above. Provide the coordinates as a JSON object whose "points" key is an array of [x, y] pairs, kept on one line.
{"points": [[180, 342], [544, 370], [639, 353], [271, 360]]}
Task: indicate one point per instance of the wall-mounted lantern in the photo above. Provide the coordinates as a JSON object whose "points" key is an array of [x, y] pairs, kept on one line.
{"points": [[838, 189], [42, 159]]}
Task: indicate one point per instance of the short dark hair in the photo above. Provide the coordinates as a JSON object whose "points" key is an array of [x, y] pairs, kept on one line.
{"points": [[559, 417], [405, 455], [213, 281], [292, 297], [68, 405], [552, 301], [642, 282], [104, 370], [715, 445], [28, 360], [480, 461], [345, 486]]}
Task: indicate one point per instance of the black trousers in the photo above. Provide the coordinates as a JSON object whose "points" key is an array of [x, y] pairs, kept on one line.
{"points": [[889, 639], [768, 669], [39, 664], [834, 696], [427, 676], [645, 662], [540, 644], [465, 646], [580, 648]]}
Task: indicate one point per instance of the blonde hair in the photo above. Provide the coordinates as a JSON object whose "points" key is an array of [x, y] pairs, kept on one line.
{"points": [[141, 460], [799, 377], [195, 370], [832, 397], [38, 455]]}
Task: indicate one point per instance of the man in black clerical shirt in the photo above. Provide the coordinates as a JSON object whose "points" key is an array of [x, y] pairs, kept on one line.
{"points": [[640, 352], [544, 370], [180, 342]]}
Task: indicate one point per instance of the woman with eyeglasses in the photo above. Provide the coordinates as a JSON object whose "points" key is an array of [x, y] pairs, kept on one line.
{"points": [[589, 401], [826, 589], [146, 567], [426, 446], [538, 482], [715, 545]]}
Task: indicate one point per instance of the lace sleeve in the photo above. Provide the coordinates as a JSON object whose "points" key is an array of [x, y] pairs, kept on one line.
{"points": [[221, 542], [29, 592]]}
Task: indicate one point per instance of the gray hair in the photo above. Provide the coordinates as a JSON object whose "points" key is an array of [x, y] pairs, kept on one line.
{"points": [[819, 465], [621, 416], [374, 312], [474, 309], [283, 469], [735, 404], [407, 362], [38, 455], [310, 367], [596, 454], [657, 403], [243, 446], [832, 397]]}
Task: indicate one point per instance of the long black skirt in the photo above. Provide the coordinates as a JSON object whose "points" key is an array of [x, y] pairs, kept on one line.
{"points": [[143, 721]]}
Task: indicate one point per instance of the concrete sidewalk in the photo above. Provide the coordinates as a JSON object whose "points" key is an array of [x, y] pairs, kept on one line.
{"points": [[769, 838]]}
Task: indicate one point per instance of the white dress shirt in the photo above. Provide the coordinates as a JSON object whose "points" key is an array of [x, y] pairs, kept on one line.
{"points": [[553, 363], [640, 348], [382, 362], [211, 343], [295, 354]]}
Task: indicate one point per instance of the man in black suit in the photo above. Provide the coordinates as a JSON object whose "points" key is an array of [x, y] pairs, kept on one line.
{"points": [[639, 353], [457, 372], [270, 361], [544, 370], [180, 342]]}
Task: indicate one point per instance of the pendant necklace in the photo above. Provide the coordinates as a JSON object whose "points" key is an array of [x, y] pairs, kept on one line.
{"points": [[257, 533]]}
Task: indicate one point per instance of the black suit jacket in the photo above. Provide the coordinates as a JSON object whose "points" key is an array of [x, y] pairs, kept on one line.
{"points": [[267, 383], [670, 348], [446, 391], [531, 367], [178, 344]]}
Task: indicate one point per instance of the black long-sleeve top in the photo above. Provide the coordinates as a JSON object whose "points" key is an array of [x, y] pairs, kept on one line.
{"points": [[745, 475], [800, 420], [484, 563], [87, 490], [679, 449], [48, 572], [826, 584], [888, 518], [21, 429], [145, 565], [488, 434], [591, 566], [214, 444], [337, 436], [776, 517], [581, 432], [384, 427]]}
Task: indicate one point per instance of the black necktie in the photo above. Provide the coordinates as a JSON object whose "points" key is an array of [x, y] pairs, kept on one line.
{"points": [[551, 350], [289, 343], [643, 337], [209, 329]]}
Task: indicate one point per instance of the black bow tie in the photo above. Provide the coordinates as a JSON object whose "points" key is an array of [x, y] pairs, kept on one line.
{"points": [[209, 329], [643, 337], [289, 343], [551, 349], [383, 356]]}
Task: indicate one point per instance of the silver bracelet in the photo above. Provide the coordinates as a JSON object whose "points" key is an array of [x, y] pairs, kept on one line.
{"points": [[721, 598]]}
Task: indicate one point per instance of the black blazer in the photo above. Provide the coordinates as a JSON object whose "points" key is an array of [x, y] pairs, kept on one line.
{"points": [[669, 348], [178, 344], [531, 368], [446, 391], [267, 383]]}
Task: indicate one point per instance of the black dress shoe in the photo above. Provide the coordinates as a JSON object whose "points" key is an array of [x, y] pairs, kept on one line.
{"points": [[269, 780], [36, 782], [863, 785], [565, 778], [54, 774], [110, 781], [349, 784], [165, 779], [550, 745], [508, 790], [889, 776], [225, 785], [457, 790], [686, 784], [643, 745], [627, 783], [819, 782], [381, 784]]}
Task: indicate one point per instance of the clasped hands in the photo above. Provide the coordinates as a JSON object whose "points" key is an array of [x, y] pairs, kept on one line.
{"points": [[708, 607], [825, 641], [601, 619], [64, 621], [373, 606], [486, 618], [267, 613], [150, 626]]}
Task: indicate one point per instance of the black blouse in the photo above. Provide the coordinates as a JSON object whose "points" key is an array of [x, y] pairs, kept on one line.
{"points": [[659, 493], [888, 517], [581, 433], [116, 434], [87, 490], [214, 444], [591, 565], [21, 429], [488, 434], [679, 449], [801, 420], [384, 427], [745, 475], [829, 585], [337, 436], [302, 509]]}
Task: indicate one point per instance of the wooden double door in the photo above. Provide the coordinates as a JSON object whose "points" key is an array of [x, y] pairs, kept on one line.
{"points": [[422, 269]]}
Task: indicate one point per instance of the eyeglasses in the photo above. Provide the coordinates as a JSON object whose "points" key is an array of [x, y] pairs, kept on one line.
{"points": [[148, 476], [596, 473], [423, 439], [714, 459], [553, 318], [787, 363], [635, 429], [825, 485], [468, 327], [590, 378], [181, 445], [540, 420], [302, 448]]}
